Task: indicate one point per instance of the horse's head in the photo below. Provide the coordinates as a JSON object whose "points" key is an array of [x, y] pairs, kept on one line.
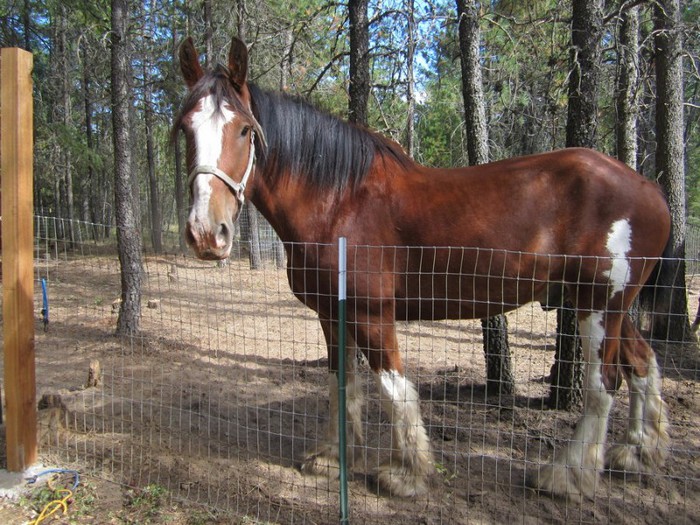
{"points": [[220, 131]]}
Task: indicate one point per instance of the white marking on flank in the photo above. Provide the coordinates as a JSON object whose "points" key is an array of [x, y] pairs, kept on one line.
{"points": [[619, 245]]}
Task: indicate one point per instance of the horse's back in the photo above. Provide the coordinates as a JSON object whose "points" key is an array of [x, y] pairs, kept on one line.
{"points": [[489, 238], [560, 202]]}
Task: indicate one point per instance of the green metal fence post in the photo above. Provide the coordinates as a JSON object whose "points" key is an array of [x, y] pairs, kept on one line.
{"points": [[342, 297]]}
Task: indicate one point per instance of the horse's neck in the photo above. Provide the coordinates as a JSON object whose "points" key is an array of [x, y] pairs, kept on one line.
{"points": [[295, 212]]}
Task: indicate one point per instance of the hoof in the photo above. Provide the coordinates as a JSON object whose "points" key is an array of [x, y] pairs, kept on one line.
{"points": [[634, 459], [624, 459], [402, 482], [564, 481], [322, 463]]}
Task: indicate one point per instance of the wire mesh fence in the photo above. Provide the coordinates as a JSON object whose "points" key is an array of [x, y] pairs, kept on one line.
{"points": [[225, 391]]}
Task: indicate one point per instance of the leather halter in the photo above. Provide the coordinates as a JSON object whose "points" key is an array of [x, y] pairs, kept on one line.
{"points": [[238, 188]]}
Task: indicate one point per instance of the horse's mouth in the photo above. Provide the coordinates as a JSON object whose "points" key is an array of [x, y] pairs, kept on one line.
{"points": [[211, 253], [212, 256], [207, 252]]}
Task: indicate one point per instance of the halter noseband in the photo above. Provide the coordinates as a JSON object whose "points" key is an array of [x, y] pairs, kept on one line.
{"points": [[238, 188]]}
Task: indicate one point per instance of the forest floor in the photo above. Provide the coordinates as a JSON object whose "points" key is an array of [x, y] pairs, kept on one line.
{"points": [[207, 415]]}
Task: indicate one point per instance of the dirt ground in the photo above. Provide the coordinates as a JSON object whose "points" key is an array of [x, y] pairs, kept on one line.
{"points": [[216, 404]]}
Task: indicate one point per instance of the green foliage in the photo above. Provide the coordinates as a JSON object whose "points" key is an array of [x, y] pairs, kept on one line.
{"points": [[302, 47], [80, 504]]}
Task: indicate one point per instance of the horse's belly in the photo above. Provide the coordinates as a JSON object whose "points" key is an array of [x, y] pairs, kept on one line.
{"points": [[434, 310], [459, 301]]}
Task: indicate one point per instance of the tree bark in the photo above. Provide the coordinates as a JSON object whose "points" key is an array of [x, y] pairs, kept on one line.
{"points": [[410, 78], [249, 220], [240, 19], [208, 35], [499, 372], [627, 100], [67, 117], [153, 193], [90, 201], [180, 189], [128, 232], [586, 33], [582, 121], [671, 321], [359, 62]]}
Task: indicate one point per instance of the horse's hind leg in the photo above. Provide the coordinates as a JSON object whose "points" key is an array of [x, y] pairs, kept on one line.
{"points": [[576, 466], [646, 442], [325, 459]]}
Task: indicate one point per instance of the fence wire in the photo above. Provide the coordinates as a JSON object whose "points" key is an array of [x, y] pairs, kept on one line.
{"points": [[225, 390]]}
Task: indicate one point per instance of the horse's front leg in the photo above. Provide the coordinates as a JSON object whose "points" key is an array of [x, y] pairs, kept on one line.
{"points": [[411, 463], [324, 461]]}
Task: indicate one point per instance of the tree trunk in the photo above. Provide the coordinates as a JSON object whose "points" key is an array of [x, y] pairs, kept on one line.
{"points": [[285, 72], [128, 233], [89, 188], [208, 35], [359, 62], [671, 321], [153, 193], [254, 229], [180, 189], [581, 124], [240, 19], [499, 372], [250, 231], [410, 80], [67, 117], [627, 100], [180, 206], [586, 33]]}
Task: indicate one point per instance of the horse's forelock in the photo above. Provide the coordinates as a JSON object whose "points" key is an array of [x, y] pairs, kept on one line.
{"points": [[217, 84]]}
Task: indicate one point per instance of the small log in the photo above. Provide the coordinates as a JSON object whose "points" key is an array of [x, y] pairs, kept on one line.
{"points": [[94, 374]]}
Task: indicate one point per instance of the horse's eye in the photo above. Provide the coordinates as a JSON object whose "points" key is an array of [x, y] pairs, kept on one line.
{"points": [[245, 131]]}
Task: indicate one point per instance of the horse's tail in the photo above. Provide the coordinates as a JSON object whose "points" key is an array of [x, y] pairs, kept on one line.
{"points": [[647, 295], [650, 300]]}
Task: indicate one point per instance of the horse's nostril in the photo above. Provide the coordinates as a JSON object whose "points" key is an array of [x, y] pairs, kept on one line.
{"points": [[223, 235]]}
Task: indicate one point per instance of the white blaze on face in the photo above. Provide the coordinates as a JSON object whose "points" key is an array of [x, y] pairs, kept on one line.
{"points": [[208, 124], [619, 245]]}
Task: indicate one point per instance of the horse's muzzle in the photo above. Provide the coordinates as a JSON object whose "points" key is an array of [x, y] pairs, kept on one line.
{"points": [[209, 243]]}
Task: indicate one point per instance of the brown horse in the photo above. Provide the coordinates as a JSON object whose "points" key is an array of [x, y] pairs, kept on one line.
{"points": [[433, 244]]}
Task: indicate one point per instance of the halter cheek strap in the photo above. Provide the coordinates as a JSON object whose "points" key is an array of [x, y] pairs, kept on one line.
{"points": [[238, 188]]}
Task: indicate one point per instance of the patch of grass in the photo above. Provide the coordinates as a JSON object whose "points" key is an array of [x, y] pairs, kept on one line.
{"points": [[447, 476], [143, 505], [52, 495]]}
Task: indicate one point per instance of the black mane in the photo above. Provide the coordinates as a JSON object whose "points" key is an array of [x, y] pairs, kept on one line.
{"points": [[326, 151], [296, 138]]}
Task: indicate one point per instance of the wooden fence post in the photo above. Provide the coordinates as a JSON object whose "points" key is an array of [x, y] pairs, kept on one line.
{"points": [[16, 170]]}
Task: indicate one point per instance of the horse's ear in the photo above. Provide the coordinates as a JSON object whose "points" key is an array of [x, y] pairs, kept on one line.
{"points": [[238, 62], [189, 63]]}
